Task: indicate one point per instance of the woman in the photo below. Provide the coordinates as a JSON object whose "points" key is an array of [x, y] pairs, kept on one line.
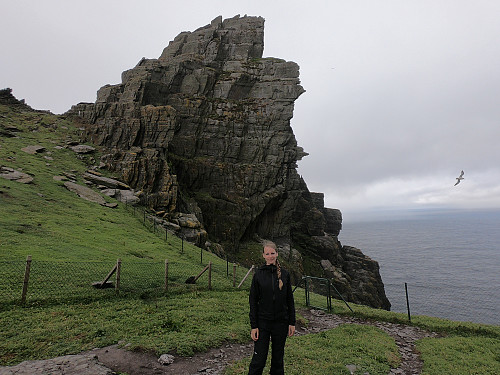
{"points": [[272, 312]]}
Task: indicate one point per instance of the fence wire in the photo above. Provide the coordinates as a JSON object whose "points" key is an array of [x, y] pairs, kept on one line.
{"points": [[220, 266], [478, 304], [72, 280], [53, 281]]}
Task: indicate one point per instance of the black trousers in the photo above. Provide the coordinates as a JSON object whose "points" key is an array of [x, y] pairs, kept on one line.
{"points": [[276, 331]]}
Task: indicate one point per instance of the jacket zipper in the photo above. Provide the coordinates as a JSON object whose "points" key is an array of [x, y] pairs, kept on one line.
{"points": [[272, 283]]}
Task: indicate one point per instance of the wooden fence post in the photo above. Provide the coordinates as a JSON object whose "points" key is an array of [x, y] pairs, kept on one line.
{"points": [[166, 275], [26, 279], [118, 268], [209, 275], [248, 273], [234, 275]]}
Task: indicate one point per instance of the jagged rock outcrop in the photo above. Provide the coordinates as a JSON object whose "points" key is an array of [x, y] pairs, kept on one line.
{"points": [[6, 98], [205, 130]]}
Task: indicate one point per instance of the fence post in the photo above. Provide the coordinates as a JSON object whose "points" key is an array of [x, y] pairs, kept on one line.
{"points": [[201, 255], [26, 279], [118, 268], [166, 275], [407, 302], [329, 298], [307, 292], [209, 275], [234, 275], [252, 269], [182, 245]]}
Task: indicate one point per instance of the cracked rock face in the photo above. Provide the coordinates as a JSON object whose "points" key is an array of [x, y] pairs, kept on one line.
{"points": [[212, 117], [205, 129]]}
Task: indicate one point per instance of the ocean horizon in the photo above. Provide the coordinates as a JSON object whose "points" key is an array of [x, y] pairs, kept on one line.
{"points": [[450, 260]]}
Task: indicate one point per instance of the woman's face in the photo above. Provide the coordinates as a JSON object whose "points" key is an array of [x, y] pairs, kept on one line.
{"points": [[270, 255]]}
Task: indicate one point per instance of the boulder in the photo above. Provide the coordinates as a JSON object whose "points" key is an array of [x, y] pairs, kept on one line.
{"points": [[124, 196], [36, 149], [105, 181], [83, 149], [85, 192], [12, 174]]}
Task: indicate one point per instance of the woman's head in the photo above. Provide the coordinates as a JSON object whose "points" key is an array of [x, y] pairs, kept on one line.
{"points": [[269, 252]]}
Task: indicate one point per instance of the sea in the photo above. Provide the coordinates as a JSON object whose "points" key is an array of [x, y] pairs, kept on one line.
{"points": [[449, 260]]}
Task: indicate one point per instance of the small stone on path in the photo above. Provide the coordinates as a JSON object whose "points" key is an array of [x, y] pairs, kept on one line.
{"points": [[166, 359]]}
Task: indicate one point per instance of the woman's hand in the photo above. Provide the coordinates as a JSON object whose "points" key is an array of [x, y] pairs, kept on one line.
{"points": [[255, 334], [291, 330]]}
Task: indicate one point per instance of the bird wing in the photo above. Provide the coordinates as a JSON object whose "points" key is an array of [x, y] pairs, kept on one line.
{"points": [[461, 174]]}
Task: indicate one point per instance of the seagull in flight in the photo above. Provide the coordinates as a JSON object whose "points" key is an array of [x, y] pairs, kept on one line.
{"points": [[459, 178]]}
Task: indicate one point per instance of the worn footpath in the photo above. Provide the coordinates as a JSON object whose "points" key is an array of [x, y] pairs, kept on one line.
{"points": [[113, 359]]}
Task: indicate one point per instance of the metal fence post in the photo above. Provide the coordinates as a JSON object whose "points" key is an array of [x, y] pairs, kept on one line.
{"points": [[26, 279], [329, 298], [166, 275], [234, 275], [407, 302], [118, 268], [209, 275], [307, 291]]}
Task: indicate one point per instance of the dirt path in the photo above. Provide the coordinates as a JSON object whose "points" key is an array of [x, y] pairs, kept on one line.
{"points": [[106, 361]]}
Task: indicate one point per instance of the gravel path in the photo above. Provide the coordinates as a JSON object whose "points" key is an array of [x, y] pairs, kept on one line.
{"points": [[110, 360]]}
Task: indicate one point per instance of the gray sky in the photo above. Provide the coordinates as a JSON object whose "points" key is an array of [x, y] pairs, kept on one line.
{"points": [[400, 94]]}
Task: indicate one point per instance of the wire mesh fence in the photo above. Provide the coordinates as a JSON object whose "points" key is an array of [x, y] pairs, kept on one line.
{"points": [[441, 300], [220, 266], [478, 303], [46, 281], [34, 281], [319, 292]]}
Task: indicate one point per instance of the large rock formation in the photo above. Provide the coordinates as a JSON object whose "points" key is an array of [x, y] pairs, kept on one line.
{"points": [[205, 130]]}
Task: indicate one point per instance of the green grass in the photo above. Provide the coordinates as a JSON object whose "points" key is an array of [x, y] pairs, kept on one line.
{"points": [[187, 322], [460, 355], [74, 242], [325, 353]]}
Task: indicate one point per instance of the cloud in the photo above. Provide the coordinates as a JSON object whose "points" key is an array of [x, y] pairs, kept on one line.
{"points": [[400, 96]]}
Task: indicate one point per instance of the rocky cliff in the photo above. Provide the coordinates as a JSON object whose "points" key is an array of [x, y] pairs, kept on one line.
{"points": [[204, 130]]}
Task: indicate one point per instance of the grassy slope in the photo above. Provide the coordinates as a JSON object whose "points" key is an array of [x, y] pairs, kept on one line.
{"points": [[46, 221]]}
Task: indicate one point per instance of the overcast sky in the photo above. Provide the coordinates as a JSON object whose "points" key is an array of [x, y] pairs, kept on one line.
{"points": [[401, 95]]}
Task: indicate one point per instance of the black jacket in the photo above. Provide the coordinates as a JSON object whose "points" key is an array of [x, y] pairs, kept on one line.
{"points": [[267, 301]]}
